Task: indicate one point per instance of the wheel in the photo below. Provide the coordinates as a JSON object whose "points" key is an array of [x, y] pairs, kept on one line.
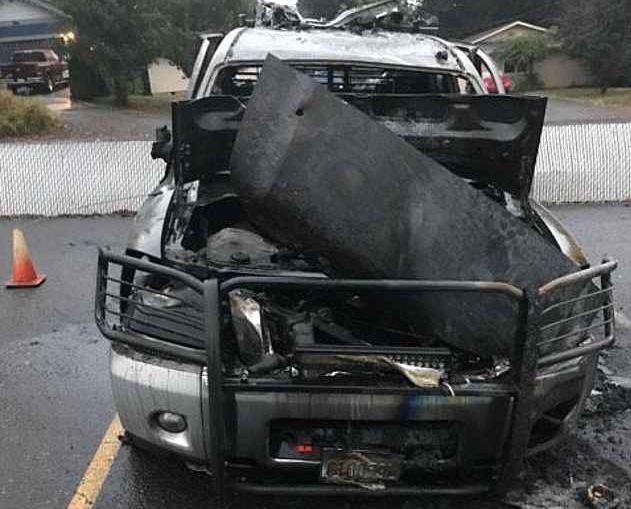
{"points": [[49, 86]]}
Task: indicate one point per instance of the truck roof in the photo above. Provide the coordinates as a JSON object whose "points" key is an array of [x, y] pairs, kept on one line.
{"points": [[381, 48]]}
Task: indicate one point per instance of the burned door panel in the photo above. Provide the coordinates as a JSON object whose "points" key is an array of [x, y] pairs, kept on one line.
{"points": [[316, 174]]}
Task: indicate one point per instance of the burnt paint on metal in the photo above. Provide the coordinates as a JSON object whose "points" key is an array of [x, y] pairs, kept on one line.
{"points": [[198, 126], [316, 174], [145, 237], [492, 140], [479, 416]]}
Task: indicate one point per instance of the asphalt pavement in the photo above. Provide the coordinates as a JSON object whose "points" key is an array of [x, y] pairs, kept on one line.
{"points": [[55, 397], [561, 111]]}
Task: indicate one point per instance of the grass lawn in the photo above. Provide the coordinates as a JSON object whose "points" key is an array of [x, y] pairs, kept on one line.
{"points": [[25, 116], [614, 97], [159, 104]]}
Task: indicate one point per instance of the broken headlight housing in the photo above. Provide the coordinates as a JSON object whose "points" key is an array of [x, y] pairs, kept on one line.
{"points": [[253, 338], [171, 313], [157, 300]]}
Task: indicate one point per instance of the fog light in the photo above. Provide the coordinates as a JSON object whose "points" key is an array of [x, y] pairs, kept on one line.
{"points": [[173, 423]]}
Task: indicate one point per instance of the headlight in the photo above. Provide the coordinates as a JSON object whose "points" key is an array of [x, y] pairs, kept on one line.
{"points": [[174, 314], [156, 300], [247, 321]]}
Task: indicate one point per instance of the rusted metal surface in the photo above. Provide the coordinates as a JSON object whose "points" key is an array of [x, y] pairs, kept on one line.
{"points": [[317, 175]]}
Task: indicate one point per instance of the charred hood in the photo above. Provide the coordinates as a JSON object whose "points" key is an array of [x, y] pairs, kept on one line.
{"points": [[316, 174]]}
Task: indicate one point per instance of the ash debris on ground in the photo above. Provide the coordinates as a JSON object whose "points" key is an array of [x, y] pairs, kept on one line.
{"points": [[599, 453]]}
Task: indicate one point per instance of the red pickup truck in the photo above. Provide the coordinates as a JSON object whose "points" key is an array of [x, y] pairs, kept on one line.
{"points": [[35, 69]]}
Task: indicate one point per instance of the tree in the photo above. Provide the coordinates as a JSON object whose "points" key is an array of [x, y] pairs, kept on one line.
{"points": [[458, 18], [599, 33], [461, 18], [118, 37], [189, 18], [524, 52]]}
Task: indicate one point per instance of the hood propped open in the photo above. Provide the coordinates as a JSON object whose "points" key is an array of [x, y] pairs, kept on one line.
{"points": [[316, 174]]}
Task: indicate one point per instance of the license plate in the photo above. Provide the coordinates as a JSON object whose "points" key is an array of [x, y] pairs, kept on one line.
{"points": [[359, 467]]}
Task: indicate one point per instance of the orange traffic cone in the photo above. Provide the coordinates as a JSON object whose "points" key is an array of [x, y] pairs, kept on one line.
{"points": [[24, 274]]}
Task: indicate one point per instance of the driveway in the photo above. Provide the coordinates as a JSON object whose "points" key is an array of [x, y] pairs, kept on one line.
{"points": [[561, 111], [87, 121]]}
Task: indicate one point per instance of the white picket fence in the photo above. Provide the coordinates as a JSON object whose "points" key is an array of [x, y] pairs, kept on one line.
{"points": [[577, 163]]}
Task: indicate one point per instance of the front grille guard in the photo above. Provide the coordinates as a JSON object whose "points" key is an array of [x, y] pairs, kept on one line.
{"points": [[533, 318]]}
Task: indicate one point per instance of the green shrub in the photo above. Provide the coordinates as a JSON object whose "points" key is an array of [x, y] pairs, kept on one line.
{"points": [[527, 83], [85, 81], [22, 116]]}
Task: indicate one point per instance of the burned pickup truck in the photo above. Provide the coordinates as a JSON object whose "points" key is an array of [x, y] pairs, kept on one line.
{"points": [[341, 285]]}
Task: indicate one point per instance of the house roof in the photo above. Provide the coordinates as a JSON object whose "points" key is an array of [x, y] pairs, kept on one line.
{"points": [[46, 6], [481, 37], [31, 31]]}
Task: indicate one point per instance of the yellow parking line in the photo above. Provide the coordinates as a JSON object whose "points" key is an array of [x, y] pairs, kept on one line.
{"points": [[93, 478]]}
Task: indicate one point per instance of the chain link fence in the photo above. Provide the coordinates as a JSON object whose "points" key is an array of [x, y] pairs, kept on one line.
{"points": [[584, 163], [75, 178], [577, 163]]}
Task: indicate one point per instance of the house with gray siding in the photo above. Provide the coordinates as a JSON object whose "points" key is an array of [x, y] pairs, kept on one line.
{"points": [[29, 24]]}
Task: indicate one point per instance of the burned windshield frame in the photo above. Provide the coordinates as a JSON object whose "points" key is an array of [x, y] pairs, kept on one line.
{"points": [[240, 80]]}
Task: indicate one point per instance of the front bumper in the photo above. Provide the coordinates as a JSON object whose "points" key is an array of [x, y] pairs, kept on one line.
{"points": [[229, 421], [26, 82], [145, 385]]}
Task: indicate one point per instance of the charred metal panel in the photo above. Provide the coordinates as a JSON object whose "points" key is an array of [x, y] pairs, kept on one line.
{"points": [[491, 139], [203, 134], [481, 416], [316, 174]]}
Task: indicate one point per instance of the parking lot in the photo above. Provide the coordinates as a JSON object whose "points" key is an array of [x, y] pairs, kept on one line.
{"points": [[56, 400]]}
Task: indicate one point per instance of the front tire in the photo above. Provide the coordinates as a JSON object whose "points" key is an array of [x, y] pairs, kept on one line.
{"points": [[49, 86]]}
